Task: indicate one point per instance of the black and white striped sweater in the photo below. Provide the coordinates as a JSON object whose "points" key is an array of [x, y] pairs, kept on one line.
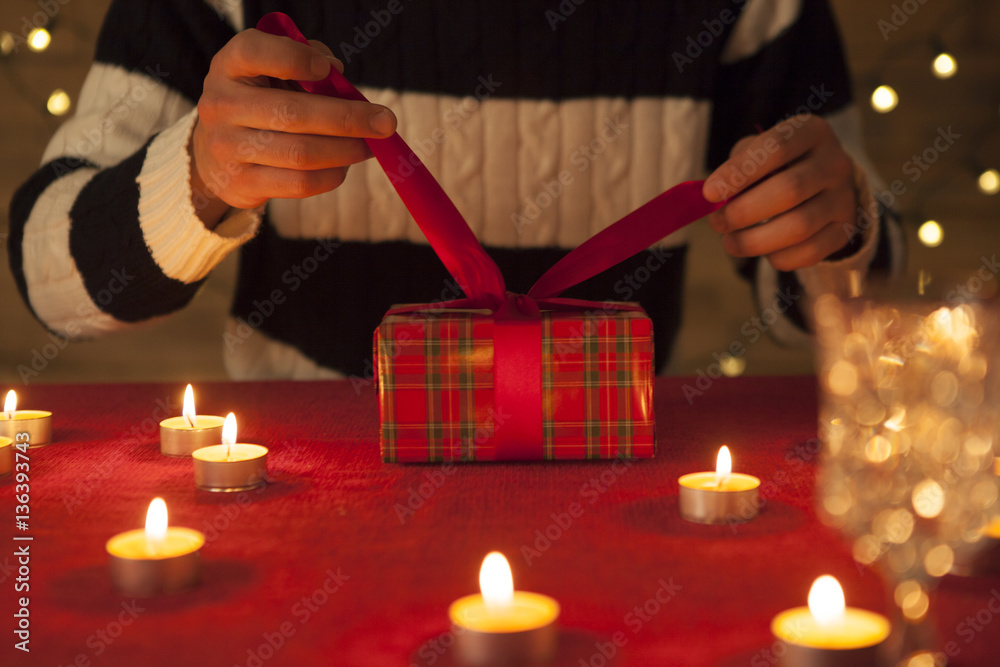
{"points": [[545, 121]]}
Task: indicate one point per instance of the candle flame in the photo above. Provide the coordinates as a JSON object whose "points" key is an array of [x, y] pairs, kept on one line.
{"points": [[156, 524], [723, 465], [229, 432], [10, 404], [496, 581], [188, 411], [826, 600]]}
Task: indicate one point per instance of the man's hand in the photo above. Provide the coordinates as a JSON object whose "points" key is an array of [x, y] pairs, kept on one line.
{"points": [[258, 138], [799, 181]]}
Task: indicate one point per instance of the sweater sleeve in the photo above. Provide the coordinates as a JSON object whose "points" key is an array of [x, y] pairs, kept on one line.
{"points": [[104, 235], [784, 58]]}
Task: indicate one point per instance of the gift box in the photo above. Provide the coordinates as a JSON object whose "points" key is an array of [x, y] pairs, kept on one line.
{"points": [[436, 388], [499, 376]]}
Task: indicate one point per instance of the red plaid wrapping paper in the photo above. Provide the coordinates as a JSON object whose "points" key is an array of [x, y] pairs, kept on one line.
{"points": [[435, 386]]}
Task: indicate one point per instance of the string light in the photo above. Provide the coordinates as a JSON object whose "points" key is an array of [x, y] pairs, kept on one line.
{"points": [[58, 103], [884, 99], [989, 182], [7, 43], [930, 234], [944, 66], [39, 39]]}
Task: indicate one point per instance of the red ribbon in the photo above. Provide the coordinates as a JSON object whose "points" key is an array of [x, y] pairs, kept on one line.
{"points": [[517, 351]]}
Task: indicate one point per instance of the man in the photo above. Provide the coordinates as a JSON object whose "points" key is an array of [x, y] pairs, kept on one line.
{"points": [[545, 122]]}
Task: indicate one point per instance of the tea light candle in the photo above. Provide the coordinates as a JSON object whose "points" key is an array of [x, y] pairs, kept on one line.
{"points": [[179, 436], [714, 497], [230, 466], [6, 456], [501, 626], [155, 560], [36, 423], [829, 633]]}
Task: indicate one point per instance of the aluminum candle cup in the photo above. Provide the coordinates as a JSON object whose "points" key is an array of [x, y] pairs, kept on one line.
{"points": [[523, 633], [226, 468], [828, 633], [855, 642], [36, 423], [703, 500], [159, 559], [177, 438], [501, 626], [6, 456]]}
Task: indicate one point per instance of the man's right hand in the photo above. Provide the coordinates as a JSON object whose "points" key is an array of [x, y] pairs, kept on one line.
{"points": [[256, 138]]}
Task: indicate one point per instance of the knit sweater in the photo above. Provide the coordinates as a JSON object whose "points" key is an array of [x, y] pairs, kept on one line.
{"points": [[544, 121]]}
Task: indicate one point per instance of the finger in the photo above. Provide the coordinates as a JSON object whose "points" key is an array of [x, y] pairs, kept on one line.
{"points": [[810, 252], [300, 151], [780, 192], [765, 153], [323, 48], [274, 182], [304, 113], [253, 53], [792, 227]]}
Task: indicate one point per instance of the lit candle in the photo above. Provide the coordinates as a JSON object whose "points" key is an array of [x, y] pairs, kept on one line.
{"points": [[179, 436], [829, 633], [230, 466], [155, 560], [6, 456], [501, 626], [716, 497], [36, 423]]}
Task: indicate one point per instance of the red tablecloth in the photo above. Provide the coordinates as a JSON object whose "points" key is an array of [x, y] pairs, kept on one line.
{"points": [[344, 560]]}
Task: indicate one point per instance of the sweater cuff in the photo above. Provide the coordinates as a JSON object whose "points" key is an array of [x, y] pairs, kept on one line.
{"points": [[844, 276], [181, 245]]}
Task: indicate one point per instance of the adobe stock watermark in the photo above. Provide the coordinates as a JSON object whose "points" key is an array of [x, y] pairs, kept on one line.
{"points": [[900, 15], [101, 639], [740, 175], [581, 159], [93, 137], [563, 521], [915, 168], [752, 330], [974, 625], [302, 611], [138, 434], [695, 45], [293, 278], [452, 290], [42, 356], [635, 620], [561, 13], [363, 35], [453, 117], [48, 9]]}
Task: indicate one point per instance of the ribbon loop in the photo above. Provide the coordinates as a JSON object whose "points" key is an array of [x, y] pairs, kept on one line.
{"points": [[517, 350]]}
